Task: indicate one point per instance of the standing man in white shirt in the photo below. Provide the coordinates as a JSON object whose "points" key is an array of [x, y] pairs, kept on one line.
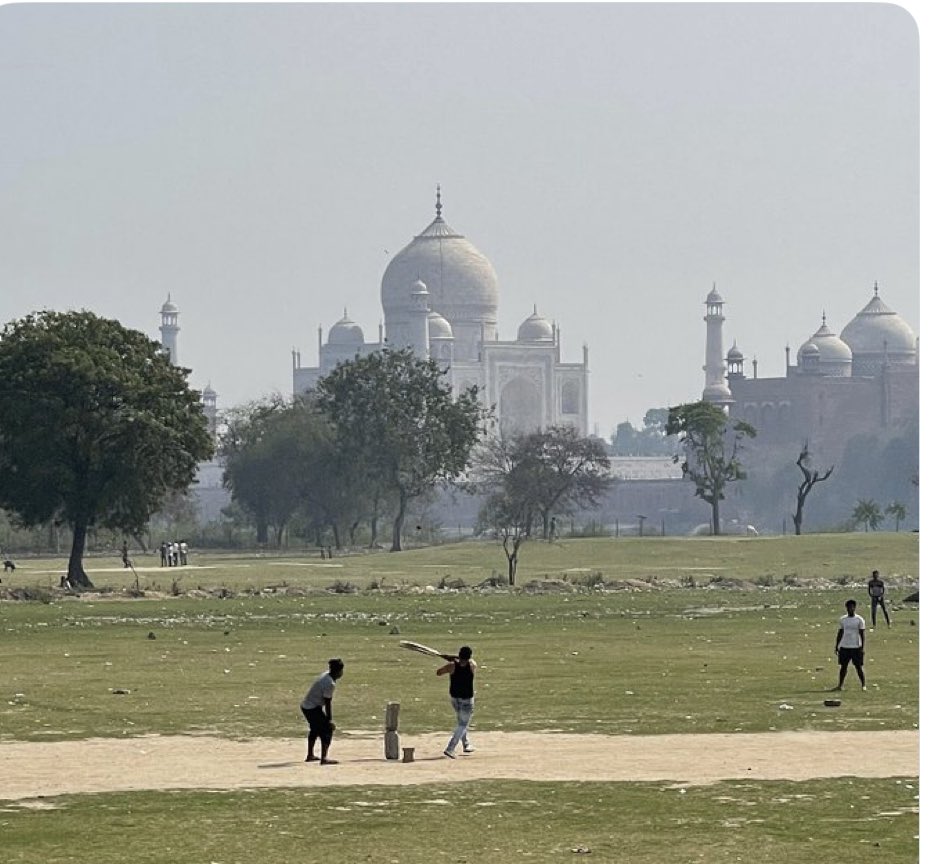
{"points": [[850, 644]]}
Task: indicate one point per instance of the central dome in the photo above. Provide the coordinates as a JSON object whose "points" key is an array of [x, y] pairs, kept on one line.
{"points": [[461, 281]]}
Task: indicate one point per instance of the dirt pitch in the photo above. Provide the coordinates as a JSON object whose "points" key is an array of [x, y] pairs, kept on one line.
{"points": [[35, 770]]}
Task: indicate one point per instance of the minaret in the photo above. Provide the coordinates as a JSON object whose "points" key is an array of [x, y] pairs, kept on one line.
{"points": [[169, 330], [716, 390], [419, 319], [208, 399]]}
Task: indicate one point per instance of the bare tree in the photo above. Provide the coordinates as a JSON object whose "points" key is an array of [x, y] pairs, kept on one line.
{"points": [[811, 478]]}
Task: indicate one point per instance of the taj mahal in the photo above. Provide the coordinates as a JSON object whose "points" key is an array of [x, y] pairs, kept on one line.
{"points": [[439, 296]]}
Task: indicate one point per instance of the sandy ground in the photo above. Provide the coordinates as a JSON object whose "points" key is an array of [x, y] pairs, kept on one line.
{"points": [[33, 770]]}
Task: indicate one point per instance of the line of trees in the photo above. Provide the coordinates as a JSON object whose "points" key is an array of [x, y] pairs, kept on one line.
{"points": [[377, 434]]}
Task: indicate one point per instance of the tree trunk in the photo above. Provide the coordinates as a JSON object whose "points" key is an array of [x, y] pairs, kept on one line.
{"points": [[337, 537], [715, 517], [797, 520], [399, 524], [279, 535], [76, 577], [374, 532], [261, 533]]}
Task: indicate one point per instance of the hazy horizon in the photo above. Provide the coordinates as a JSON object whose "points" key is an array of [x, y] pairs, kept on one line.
{"points": [[262, 163]]}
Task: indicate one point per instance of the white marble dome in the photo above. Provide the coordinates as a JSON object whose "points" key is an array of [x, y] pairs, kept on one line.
{"points": [[345, 332], [439, 328], [168, 307], [877, 331], [462, 283], [535, 329], [835, 355]]}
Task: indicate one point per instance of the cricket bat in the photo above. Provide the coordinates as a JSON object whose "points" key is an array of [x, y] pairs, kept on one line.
{"points": [[422, 649]]}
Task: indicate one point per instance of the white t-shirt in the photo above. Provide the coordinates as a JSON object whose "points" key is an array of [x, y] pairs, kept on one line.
{"points": [[322, 689], [851, 625]]}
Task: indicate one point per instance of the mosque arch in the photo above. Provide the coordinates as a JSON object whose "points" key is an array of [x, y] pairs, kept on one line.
{"points": [[571, 397], [519, 410]]}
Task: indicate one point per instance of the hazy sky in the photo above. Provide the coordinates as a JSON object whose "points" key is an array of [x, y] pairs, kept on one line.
{"points": [[613, 162]]}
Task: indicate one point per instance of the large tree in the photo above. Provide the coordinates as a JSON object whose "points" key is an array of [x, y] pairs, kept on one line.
{"points": [[395, 415], [263, 470], [711, 443], [97, 427]]}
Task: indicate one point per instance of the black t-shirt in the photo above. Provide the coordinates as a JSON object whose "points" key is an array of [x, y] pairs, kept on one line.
{"points": [[462, 682]]}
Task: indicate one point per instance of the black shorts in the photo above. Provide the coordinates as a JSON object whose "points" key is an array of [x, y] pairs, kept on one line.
{"points": [[318, 723], [847, 654]]}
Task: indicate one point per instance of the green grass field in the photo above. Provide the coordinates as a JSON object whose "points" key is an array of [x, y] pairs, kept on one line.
{"points": [[669, 658]]}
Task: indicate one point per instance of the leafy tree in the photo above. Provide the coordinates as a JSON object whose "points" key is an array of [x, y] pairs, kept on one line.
{"points": [[811, 478], [564, 469], [528, 478], [711, 444], [395, 416], [97, 427], [898, 512], [510, 508], [648, 441], [867, 513], [261, 464], [623, 442]]}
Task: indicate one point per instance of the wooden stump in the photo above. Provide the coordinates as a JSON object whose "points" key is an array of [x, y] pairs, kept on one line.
{"points": [[391, 745], [408, 754], [391, 716]]}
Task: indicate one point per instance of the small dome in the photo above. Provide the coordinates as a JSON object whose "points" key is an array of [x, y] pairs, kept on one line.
{"points": [[714, 296], [169, 307], [876, 333], [535, 329], [734, 353], [835, 355], [345, 332], [419, 287], [209, 392], [439, 328]]}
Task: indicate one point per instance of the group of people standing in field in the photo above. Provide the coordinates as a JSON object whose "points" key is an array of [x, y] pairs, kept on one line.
{"points": [[173, 554], [850, 637]]}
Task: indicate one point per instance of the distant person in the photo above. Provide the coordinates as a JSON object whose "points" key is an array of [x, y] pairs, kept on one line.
{"points": [[164, 553], [183, 551], [850, 644], [124, 554], [461, 670], [8, 565], [317, 708], [877, 596]]}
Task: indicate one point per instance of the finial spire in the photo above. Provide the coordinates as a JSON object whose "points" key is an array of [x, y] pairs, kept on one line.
{"points": [[876, 287], [823, 318], [438, 201]]}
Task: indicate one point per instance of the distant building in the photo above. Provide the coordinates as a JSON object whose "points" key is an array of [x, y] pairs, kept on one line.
{"points": [[864, 381], [208, 490], [439, 296]]}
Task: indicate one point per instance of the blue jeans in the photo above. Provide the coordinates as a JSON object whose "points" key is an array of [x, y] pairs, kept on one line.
{"points": [[463, 708]]}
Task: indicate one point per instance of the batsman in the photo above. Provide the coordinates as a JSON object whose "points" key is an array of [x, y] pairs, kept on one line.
{"points": [[461, 670]]}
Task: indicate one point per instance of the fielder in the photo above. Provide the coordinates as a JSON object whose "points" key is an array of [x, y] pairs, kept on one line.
{"points": [[850, 644]]}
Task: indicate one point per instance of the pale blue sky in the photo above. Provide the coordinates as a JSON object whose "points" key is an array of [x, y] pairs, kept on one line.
{"points": [[613, 161]]}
